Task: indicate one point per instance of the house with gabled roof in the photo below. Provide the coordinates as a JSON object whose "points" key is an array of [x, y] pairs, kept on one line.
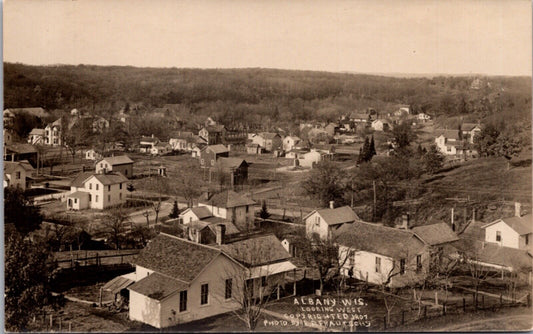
{"points": [[325, 221], [52, 133], [91, 190], [237, 208], [121, 163], [435, 235], [382, 255], [515, 232], [179, 280], [269, 141], [289, 142], [211, 153], [470, 130], [17, 174], [146, 143], [36, 136]]}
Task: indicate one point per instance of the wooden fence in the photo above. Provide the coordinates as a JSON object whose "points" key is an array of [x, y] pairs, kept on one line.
{"points": [[467, 304]]}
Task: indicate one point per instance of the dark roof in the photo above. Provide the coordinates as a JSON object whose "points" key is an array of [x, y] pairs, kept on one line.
{"points": [[340, 215], [79, 194], [383, 240], [201, 212], [268, 135], [79, 180], [435, 234], [217, 149], [493, 253], [229, 163], [176, 257], [256, 251], [36, 111], [522, 225], [468, 126], [213, 221], [21, 148], [118, 160], [111, 178], [228, 199], [473, 230], [449, 134], [157, 286], [10, 166]]}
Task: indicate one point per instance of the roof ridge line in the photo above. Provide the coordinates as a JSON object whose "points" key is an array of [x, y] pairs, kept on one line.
{"points": [[190, 242]]}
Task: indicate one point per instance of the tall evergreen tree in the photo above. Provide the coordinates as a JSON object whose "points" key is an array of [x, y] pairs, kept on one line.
{"points": [[175, 211]]}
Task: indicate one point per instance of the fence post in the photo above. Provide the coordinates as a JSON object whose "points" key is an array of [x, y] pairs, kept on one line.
{"points": [[384, 322], [70, 326], [60, 323], [403, 317], [51, 321], [443, 308], [464, 305]]}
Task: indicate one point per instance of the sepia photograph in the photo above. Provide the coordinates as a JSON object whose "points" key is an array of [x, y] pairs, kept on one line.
{"points": [[267, 166]]}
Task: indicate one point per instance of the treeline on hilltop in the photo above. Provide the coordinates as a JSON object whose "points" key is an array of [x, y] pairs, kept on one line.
{"points": [[257, 95]]}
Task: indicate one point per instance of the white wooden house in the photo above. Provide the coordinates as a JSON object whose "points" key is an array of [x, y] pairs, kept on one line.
{"points": [[382, 255], [97, 191], [238, 209], [325, 221], [289, 142], [515, 232]]}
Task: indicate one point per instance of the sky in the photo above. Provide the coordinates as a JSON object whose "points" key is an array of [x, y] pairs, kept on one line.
{"points": [[394, 36]]}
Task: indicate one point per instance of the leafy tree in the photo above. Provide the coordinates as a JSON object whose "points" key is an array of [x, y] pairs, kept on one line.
{"points": [[326, 182], [28, 270], [403, 135], [364, 151], [20, 212], [114, 225], [485, 141], [433, 159], [264, 214], [175, 211]]}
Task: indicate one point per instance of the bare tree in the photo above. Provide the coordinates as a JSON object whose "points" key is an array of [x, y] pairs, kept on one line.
{"points": [[114, 224]]}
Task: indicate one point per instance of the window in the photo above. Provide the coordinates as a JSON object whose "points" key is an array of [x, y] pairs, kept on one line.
{"points": [[527, 239], [126, 173], [378, 264], [96, 199], [204, 294], [101, 165], [97, 186], [212, 162], [109, 198], [498, 236], [418, 263], [17, 175], [263, 281], [228, 288], [201, 161], [120, 185], [247, 209], [183, 301], [218, 210], [190, 219], [90, 186], [402, 266], [90, 198], [75, 200], [109, 188]]}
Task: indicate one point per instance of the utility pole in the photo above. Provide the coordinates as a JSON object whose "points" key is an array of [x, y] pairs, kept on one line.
{"points": [[374, 208]]}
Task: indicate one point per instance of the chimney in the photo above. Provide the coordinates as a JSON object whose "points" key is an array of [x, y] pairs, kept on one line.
{"points": [[517, 209], [220, 233], [332, 204], [405, 221]]}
